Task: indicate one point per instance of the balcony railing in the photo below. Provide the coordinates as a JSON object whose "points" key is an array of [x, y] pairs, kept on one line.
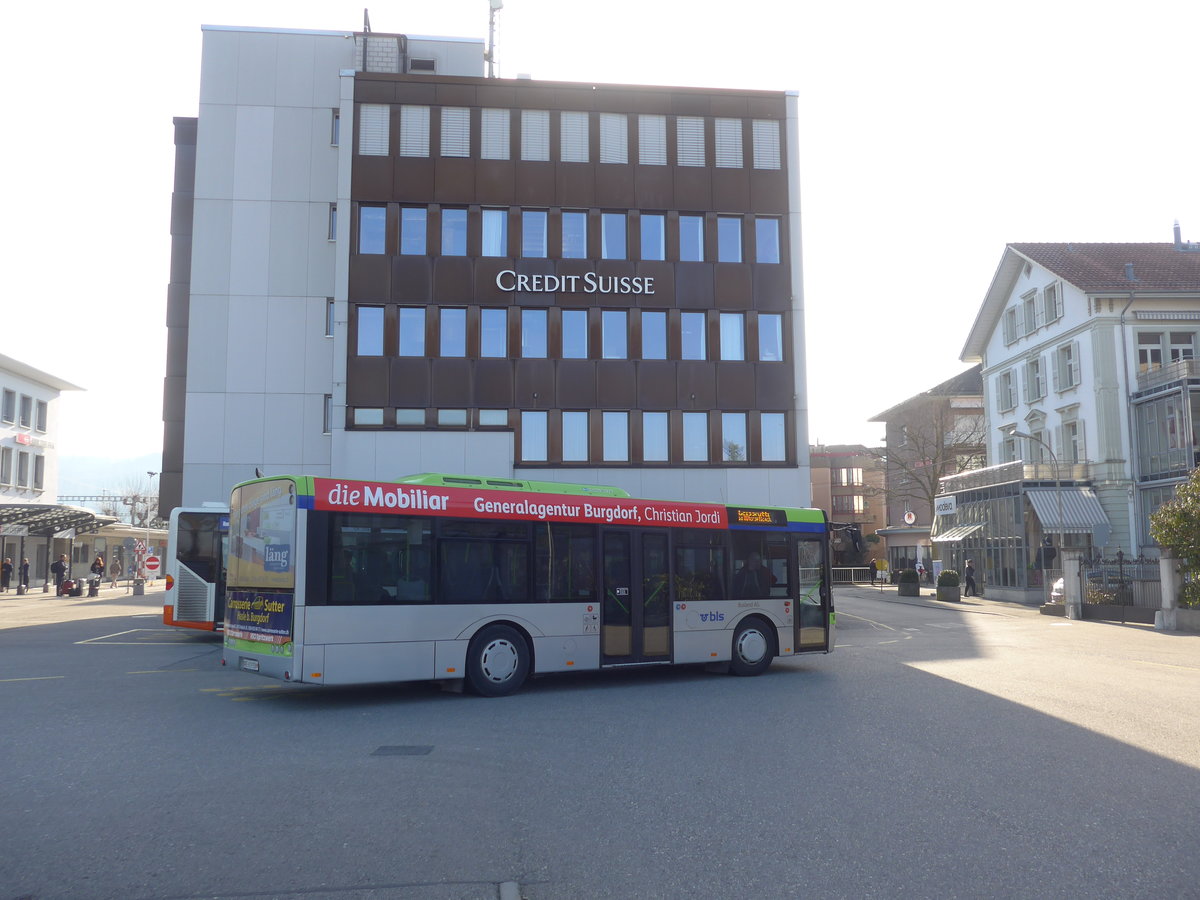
{"points": [[1177, 371], [1015, 471]]}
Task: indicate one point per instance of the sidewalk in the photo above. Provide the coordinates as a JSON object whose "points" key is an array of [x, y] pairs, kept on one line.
{"points": [[38, 608], [928, 597]]}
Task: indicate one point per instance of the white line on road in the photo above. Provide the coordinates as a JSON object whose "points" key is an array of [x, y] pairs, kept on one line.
{"points": [[35, 678]]}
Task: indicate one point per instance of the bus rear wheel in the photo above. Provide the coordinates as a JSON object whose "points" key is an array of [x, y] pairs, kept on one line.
{"points": [[753, 648], [497, 661]]}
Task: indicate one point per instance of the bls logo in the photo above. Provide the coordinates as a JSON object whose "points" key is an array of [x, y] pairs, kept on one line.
{"points": [[712, 617], [276, 557]]}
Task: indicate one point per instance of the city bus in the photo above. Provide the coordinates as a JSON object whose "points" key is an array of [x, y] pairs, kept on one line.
{"points": [[482, 582], [197, 544]]}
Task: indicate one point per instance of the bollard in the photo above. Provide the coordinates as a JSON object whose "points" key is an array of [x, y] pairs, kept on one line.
{"points": [[21, 589], [139, 587]]}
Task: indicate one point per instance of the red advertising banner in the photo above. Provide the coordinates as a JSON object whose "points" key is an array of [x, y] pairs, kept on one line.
{"points": [[343, 495]]}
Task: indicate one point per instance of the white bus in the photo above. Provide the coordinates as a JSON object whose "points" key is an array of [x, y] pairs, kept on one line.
{"points": [[446, 578], [197, 545]]}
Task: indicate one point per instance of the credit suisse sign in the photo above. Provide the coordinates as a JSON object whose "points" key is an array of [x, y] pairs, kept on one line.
{"points": [[587, 283]]}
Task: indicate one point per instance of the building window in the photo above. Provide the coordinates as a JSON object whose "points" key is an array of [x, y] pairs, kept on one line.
{"points": [[573, 137], [1006, 397], [414, 130], [9, 412], [452, 418], [766, 143], [574, 334], [612, 235], [1072, 443], [1182, 345], [412, 331], [1066, 366], [369, 416], [373, 129], [22, 469], [770, 337], [774, 440], [327, 415], [1035, 385], [533, 333], [733, 437], [410, 417], [848, 477], [766, 240], [729, 239], [493, 333], [412, 231], [654, 335], [370, 331], [332, 233], [655, 446], [535, 135], [689, 140], [574, 436], [39, 472], [654, 235], [574, 235], [1010, 325], [614, 334], [533, 436], [372, 229], [691, 238], [454, 232], [495, 232], [453, 338], [494, 128], [1052, 303], [616, 436], [854, 504], [42, 419], [335, 128], [652, 140], [493, 418], [692, 343], [728, 138], [533, 233], [1029, 312], [614, 138], [328, 317], [695, 437], [6, 465], [733, 336], [456, 131]]}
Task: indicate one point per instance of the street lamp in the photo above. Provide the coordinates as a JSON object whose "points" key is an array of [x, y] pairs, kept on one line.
{"points": [[1011, 431], [149, 494]]}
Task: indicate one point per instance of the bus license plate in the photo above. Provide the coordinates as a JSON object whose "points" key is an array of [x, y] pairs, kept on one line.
{"points": [[249, 665]]}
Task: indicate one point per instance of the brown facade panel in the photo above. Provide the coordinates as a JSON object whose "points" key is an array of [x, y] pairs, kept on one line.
{"points": [[494, 383], [616, 187], [181, 258], [694, 287], [731, 190], [177, 351], [534, 381], [663, 274], [455, 94], [696, 388], [372, 176], [485, 290], [452, 384], [453, 181], [616, 384], [773, 287], [408, 383], [495, 182], [453, 280], [656, 384], [575, 185], [367, 90], [576, 388], [736, 386], [733, 283], [769, 191], [370, 277], [774, 386], [654, 187], [412, 180], [412, 279], [693, 189], [367, 381], [418, 90], [536, 183]]}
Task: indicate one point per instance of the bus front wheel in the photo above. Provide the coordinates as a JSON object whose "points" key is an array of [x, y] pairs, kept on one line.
{"points": [[497, 661], [753, 648]]}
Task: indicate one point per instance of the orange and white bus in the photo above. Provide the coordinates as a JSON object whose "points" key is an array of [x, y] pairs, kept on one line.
{"points": [[197, 546]]}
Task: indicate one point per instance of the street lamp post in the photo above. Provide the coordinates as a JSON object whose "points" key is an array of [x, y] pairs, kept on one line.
{"points": [[1011, 431], [149, 494]]}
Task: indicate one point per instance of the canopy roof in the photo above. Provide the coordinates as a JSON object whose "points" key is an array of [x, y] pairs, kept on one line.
{"points": [[48, 519]]}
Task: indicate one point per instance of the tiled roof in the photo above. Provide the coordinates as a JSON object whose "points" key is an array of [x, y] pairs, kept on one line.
{"points": [[1102, 267]]}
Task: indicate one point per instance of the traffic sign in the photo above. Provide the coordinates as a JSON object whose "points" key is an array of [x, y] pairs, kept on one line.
{"points": [[152, 563]]}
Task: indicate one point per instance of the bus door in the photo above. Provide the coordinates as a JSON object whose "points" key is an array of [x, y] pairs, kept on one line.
{"points": [[636, 612], [814, 596]]}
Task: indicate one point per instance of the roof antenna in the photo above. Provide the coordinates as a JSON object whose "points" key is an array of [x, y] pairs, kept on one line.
{"points": [[490, 56], [366, 21]]}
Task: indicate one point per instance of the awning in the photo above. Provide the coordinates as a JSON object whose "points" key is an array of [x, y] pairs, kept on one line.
{"points": [[957, 533], [46, 519], [1081, 509]]}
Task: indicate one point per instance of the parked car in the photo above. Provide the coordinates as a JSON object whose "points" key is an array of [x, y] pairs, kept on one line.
{"points": [[1056, 592]]}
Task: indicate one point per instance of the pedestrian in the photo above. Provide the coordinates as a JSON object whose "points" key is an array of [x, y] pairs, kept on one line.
{"points": [[60, 569], [115, 570], [25, 573], [6, 571], [98, 567], [969, 574]]}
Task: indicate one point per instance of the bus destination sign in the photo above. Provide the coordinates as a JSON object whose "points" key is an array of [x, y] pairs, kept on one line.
{"points": [[740, 515]]}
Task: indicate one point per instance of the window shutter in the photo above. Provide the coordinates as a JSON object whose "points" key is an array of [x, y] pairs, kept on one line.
{"points": [[1058, 385], [689, 139], [573, 137], [652, 140], [414, 130], [766, 144], [494, 134], [456, 131], [535, 135], [1074, 373], [614, 138], [728, 135], [373, 120]]}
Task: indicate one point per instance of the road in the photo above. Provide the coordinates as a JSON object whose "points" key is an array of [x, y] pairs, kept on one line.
{"points": [[973, 750]]}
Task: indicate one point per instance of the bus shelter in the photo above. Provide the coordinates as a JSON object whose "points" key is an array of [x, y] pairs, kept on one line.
{"points": [[41, 531]]}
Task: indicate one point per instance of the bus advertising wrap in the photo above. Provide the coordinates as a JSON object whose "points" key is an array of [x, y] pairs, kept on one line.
{"points": [[259, 622], [263, 535], [342, 495]]}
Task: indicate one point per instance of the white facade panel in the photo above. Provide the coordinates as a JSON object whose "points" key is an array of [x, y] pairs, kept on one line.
{"points": [[283, 350], [218, 68], [321, 264], [294, 77], [246, 337], [216, 138], [245, 428], [257, 61], [289, 240], [250, 233], [203, 433], [205, 481], [212, 225], [292, 139], [254, 155], [283, 431], [207, 344]]}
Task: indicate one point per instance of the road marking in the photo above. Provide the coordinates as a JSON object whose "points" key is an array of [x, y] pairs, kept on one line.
{"points": [[1146, 662], [35, 678], [159, 671], [912, 629], [1060, 624], [106, 636], [865, 619]]}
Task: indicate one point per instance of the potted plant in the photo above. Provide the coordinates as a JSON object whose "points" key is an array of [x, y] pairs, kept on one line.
{"points": [[947, 586], [908, 583]]}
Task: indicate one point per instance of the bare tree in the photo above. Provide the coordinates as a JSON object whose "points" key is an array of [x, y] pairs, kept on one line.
{"points": [[140, 502]]}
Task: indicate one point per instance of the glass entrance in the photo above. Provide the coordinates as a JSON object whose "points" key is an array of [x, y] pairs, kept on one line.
{"points": [[814, 602], [636, 613]]}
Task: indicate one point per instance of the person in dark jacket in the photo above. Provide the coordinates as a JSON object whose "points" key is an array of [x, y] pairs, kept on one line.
{"points": [[969, 576], [6, 571], [60, 569]]}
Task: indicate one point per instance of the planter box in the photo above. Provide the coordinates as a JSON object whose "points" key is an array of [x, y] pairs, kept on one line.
{"points": [[949, 594], [1187, 619], [1116, 612], [1054, 609], [904, 589]]}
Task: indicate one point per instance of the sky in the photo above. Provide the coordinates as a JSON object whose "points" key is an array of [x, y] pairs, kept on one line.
{"points": [[931, 134]]}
